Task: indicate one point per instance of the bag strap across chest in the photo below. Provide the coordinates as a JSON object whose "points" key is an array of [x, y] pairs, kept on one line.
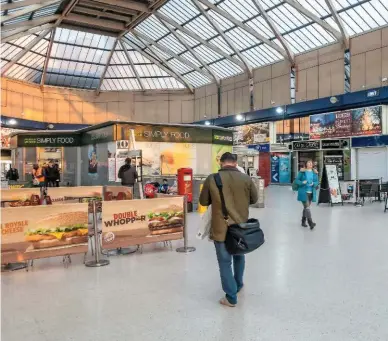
{"points": [[217, 179]]}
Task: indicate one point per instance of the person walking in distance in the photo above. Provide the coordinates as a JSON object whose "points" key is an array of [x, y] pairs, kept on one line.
{"points": [[307, 181], [239, 192], [12, 174], [128, 174]]}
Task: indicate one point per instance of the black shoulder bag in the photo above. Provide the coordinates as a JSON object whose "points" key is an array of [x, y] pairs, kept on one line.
{"points": [[240, 238]]}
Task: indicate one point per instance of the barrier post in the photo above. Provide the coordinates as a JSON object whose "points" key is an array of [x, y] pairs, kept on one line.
{"points": [[97, 262], [185, 248]]}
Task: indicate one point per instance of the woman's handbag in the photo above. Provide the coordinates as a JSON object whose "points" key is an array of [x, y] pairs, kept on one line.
{"points": [[240, 238]]}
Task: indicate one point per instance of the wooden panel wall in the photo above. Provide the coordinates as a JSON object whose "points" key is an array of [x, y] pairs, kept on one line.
{"points": [[369, 60], [59, 105]]}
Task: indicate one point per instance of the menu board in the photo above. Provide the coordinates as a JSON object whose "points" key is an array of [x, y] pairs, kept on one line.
{"points": [[126, 223], [356, 122], [334, 187], [251, 134], [348, 191], [65, 195], [43, 231]]}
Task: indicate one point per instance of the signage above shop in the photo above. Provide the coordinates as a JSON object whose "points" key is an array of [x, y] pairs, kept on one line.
{"points": [[355, 122], [335, 144], [177, 134], [49, 140], [306, 145], [223, 137], [100, 135], [263, 148]]}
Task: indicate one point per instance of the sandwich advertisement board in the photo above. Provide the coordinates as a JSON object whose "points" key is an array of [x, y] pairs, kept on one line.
{"points": [[126, 223], [43, 231]]}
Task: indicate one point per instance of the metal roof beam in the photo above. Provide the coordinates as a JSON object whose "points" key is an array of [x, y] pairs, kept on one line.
{"points": [[192, 51], [82, 19], [47, 59], [165, 67], [21, 32], [275, 30], [30, 23], [106, 67], [85, 10], [132, 65], [228, 41], [314, 18], [26, 10], [107, 7], [171, 53], [24, 51], [338, 20], [15, 5], [88, 30], [199, 39], [246, 28], [137, 6]]}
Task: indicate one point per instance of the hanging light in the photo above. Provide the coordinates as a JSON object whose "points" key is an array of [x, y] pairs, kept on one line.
{"points": [[12, 122], [207, 123], [239, 117], [279, 110]]}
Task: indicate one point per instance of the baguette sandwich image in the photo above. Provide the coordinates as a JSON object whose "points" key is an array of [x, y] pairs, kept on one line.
{"points": [[62, 229]]}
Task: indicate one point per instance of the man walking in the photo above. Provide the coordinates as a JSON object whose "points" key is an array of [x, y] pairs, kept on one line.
{"points": [[128, 174], [12, 174], [239, 192]]}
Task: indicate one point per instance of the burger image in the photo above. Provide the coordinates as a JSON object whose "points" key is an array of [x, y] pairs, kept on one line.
{"points": [[60, 229], [166, 220]]}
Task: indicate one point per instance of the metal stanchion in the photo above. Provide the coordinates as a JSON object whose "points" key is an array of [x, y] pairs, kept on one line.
{"points": [[97, 262], [185, 248]]}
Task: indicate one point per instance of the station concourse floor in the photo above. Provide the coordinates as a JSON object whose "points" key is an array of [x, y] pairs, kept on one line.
{"points": [[327, 284]]}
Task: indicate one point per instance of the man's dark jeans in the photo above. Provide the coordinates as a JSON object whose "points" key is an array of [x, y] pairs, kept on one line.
{"points": [[232, 281]]}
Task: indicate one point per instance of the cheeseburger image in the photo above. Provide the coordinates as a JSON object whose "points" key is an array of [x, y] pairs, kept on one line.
{"points": [[60, 229], [166, 220]]}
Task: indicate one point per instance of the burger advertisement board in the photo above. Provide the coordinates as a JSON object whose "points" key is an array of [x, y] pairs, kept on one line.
{"points": [[43, 231], [126, 223], [65, 195], [18, 197]]}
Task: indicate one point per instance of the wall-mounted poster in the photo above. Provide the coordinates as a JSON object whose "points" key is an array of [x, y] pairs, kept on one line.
{"points": [[112, 169], [366, 121], [177, 155], [349, 191], [251, 134], [93, 162], [356, 122], [217, 151], [280, 168]]}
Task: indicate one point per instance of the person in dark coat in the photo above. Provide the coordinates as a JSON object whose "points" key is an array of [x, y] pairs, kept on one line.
{"points": [[12, 174], [128, 174]]}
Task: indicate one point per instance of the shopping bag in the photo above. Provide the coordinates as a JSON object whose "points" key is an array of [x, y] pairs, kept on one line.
{"points": [[205, 225]]}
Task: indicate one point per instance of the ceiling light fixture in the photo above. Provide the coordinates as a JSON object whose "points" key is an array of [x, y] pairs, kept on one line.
{"points": [[207, 123], [12, 122], [239, 117], [279, 110]]}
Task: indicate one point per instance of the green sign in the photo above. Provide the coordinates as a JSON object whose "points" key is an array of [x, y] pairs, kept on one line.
{"points": [[49, 140], [101, 135], [148, 133], [223, 137]]}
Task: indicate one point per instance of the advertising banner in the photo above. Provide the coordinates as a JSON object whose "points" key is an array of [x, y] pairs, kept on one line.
{"points": [[335, 190], [126, 223], [280, 168], [251, 134], [65, 195], [217, 151], [117, 193], [43, 231], [112, 169], [223, 137], [349, 191], [356, 122], [20, 197]]}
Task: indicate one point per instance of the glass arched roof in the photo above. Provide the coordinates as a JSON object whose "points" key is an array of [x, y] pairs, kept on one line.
{"points": [[157, 44]]}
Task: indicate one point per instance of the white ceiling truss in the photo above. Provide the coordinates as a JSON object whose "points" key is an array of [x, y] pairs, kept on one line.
{"points": [[159, 44]]}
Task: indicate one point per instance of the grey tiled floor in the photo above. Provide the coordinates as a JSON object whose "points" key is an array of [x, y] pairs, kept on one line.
{"points": [[329, 284]]}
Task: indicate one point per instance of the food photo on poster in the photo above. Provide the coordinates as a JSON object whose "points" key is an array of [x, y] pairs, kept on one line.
{"points": [[43, 231], [251, 134], [367, 121], [127, 223]]}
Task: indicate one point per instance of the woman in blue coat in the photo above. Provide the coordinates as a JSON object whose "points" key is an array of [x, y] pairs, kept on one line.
{"points": [[307, 181]]}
